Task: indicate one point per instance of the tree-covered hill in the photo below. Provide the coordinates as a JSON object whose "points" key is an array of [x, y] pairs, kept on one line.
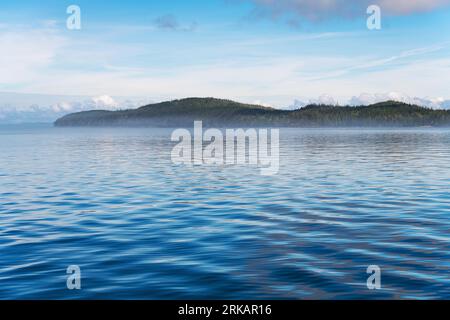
{"points": [[220, 113]]}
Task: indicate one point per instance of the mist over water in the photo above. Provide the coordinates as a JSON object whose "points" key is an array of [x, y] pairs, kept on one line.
{"points": [[112, 202]]}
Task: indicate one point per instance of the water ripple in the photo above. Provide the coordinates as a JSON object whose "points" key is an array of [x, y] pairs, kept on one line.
{"points": [[139, 227]]}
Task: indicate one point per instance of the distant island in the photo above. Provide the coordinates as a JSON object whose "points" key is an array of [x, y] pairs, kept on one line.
{"points": [[219, 113]]}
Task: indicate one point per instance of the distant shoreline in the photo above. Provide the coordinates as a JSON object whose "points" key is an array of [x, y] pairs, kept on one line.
{"points": [[225, 113]]}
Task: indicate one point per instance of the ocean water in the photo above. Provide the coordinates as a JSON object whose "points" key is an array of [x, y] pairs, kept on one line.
{"points": [[139, 227]]}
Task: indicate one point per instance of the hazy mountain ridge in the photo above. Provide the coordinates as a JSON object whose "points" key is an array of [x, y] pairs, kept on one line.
{"points": [[219, 112], [16, 108]]}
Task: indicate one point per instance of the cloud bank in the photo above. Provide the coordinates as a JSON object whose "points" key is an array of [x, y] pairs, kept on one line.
{"points": [[366, 99], [31, 108]]}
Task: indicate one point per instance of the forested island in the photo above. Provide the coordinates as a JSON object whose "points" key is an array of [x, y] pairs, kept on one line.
{"points": [[220, 113]]}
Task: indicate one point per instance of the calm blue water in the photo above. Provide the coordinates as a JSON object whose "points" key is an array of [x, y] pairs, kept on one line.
{"points": [[110, 201]]}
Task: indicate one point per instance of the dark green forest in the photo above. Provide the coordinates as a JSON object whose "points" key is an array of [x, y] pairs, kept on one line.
{"points": [[219, 113]]}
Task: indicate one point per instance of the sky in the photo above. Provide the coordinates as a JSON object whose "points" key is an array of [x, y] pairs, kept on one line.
{"points": [[280, 53]]}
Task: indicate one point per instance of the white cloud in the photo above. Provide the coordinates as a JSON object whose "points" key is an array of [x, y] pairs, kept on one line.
{"points": [[24, 53], [367, 99], [105, 101], [62, 106], [19, 108]]}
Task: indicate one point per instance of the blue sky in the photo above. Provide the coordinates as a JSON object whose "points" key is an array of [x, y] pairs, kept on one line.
{"points": [[263, 51]]}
